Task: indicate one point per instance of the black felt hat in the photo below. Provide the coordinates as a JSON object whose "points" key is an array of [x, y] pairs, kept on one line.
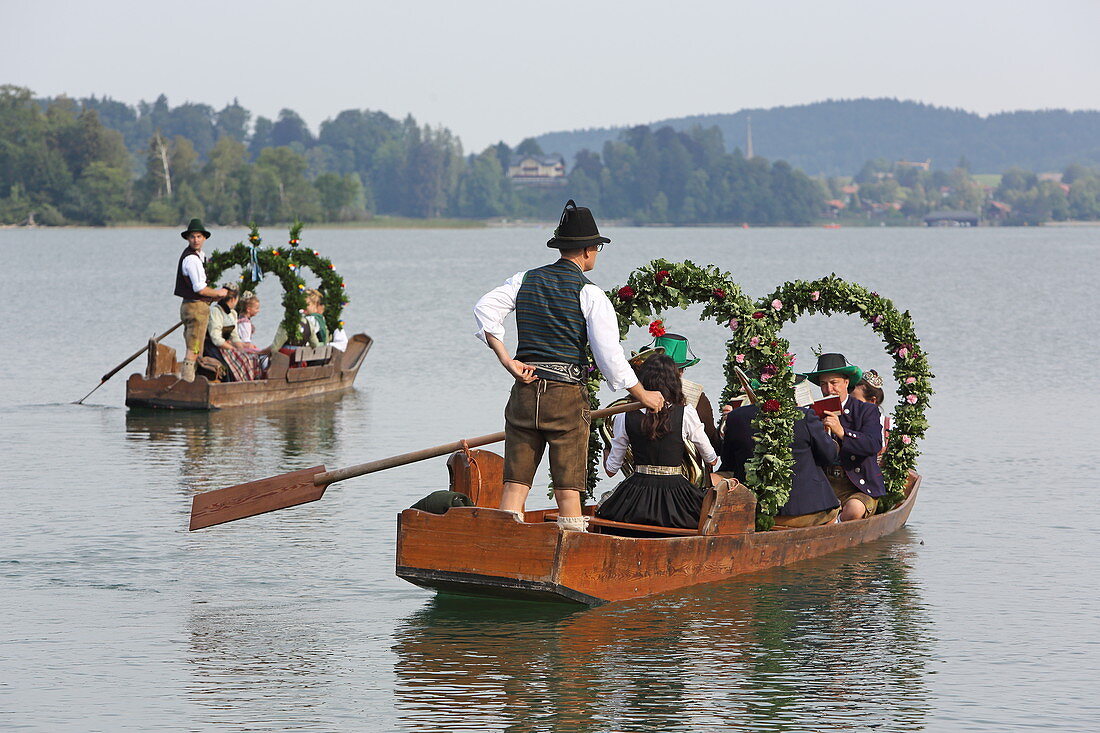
{"points": [[576, 229], [835, 364], [195, 226]]}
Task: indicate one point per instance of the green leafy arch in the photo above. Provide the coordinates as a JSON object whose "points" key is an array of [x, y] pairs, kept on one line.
{"points": [[755, 345]]}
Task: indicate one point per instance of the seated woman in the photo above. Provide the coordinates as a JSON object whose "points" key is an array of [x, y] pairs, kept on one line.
{"points": [[224, 343], [657, 493], [812, 500]]}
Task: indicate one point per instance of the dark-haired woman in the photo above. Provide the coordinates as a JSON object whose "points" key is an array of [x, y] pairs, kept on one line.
{"points": [[657, 493]]}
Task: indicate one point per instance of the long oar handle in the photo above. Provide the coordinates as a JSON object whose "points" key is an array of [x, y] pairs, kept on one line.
{"points": [[138, 353], [113, 372], [330, 477]]}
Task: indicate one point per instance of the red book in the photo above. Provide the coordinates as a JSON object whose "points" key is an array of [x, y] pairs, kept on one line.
{"points": [[831, 404]]}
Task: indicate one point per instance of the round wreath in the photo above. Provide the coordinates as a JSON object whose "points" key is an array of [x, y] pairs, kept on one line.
{"points": [[286, 265], [756, 346]]}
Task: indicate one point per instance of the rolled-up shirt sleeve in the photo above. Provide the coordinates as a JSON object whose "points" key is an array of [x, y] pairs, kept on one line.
{"points": [[613, 461], [603, 337], [494, 307], [693, 431]]}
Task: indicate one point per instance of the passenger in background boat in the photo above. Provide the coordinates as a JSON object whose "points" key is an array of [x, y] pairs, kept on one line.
{"points": [[191, 286], [676, 347], [869, 389], [559, 313], [224, 343], [315, 315], [311, 334], [657, 493], [856, 477], [812, 500]]}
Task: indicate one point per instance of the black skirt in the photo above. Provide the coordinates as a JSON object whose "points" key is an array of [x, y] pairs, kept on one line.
{"points": [[666, 501]]}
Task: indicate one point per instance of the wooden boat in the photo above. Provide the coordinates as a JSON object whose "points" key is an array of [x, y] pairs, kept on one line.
{"points": [[161, 387], [484, 551]]}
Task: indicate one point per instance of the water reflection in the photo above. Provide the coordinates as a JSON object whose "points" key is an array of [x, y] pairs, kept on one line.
{"points": [[238, 441], [843, 640]]}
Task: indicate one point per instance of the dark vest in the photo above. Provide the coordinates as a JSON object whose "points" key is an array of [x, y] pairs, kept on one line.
{"points": [[183, 283], [668, 450], [549, 320]]}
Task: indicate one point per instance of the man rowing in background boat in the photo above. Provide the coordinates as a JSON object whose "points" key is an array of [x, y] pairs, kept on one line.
{"points": [[197, 295], [558, 314]]}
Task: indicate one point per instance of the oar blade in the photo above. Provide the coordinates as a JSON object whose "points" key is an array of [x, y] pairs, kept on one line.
{"points": [[255, 497]]}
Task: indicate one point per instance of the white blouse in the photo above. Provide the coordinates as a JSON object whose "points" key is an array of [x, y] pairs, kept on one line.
{"points": [[691, 431]]}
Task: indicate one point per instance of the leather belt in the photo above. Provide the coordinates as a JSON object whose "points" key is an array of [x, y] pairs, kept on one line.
{"points": [[557, 371], [659, 470]]}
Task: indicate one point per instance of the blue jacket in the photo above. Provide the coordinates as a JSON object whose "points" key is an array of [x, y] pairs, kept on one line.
{"points": [[812, 448], [862, 423]]}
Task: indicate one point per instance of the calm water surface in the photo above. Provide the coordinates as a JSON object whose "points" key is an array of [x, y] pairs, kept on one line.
{"points": [[980, 615]]}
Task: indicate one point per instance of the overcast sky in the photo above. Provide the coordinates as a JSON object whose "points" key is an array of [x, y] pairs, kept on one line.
{"points": [[492, 70]]}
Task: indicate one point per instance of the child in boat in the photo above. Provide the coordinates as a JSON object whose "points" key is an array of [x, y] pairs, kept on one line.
{"points": [[248, 307], [657, 493], [869, 389]]}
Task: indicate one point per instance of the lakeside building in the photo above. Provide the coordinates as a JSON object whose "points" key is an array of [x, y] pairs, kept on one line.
{"points": [[537, 170]]}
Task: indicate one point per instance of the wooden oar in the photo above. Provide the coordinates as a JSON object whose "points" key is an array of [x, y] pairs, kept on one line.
{"points": [[309, 484], [114, 371]]}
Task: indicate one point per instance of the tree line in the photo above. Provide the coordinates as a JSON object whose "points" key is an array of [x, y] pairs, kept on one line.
{"points": [[98, 161]]}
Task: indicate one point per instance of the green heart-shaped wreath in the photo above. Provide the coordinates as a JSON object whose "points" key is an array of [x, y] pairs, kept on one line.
{"points": [[756, 346]]}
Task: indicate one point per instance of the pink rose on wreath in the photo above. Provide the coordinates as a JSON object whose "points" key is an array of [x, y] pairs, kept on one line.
{"points": [[877, 320], [777, 304], [910, 380], [815, 295], [754, 341], [740, 358], [911, 399], [906, 439], [765, 377], [903, 353], [734, 323]]}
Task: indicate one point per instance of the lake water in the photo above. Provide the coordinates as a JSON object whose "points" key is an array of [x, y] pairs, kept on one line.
{"points": [[980, 615]]}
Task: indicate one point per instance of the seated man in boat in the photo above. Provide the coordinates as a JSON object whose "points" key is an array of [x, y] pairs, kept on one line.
{"points": [[657, 492], [676, 347], [855, 476], [812, 501]]}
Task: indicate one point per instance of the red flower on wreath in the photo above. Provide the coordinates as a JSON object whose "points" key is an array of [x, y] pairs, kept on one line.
{"points": [[626, 292], [719, 293], [772, 406], [758, 314], [657, 328], [661, 276]]}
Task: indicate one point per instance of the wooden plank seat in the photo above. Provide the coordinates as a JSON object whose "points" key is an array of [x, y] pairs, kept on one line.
{"points": [[655, 529], [304, 354]]}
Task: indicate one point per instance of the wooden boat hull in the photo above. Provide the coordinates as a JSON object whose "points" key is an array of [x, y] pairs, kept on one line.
{"points": [[488, 552], [168, 391]]}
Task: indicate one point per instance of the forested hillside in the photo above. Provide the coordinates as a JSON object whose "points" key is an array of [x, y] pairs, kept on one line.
{"points": [[836, 137]]}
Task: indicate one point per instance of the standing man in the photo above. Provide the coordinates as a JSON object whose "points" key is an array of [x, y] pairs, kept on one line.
{"points": [[197, 295], [558, 313], [855, 476]]}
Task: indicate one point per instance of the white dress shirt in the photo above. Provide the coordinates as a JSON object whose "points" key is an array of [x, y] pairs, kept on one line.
{"points": [[193, 268], [599, 315], [691, 430]]}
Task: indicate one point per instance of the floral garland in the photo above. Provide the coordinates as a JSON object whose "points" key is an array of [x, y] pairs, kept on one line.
{"points": [[269, 260], [756, 346], [332, 286], [831, 294]]}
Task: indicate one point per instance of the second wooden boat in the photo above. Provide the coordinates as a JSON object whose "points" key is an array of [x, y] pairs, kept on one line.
{"points": [[161, 387]]}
